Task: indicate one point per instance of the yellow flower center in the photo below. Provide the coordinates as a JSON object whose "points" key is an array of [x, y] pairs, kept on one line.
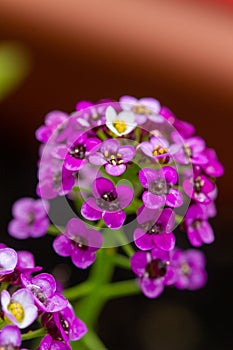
{"points": [[158, 150], [119, 125], [139, 109], [17, 311], [185, 269]]}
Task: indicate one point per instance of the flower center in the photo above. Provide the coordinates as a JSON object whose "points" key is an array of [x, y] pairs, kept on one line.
{"points": [[185, 269], [78, 152], [159, 187], [80, 242], [187, 150], [198, 184], [95, 116], [139, 109], [109, 201], [57, 179], [156, 269], [119, 125], [16, 309], [113, 159], [39, 294], [196, 223], [155, 229], [31, 218], [159, 150], [9, 347]]}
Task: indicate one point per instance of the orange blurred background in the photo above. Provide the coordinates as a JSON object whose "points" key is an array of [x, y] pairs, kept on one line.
{"points": [[179, 52]]}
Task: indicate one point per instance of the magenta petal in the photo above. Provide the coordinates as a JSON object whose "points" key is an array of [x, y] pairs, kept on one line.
{"points": [[18, 229], [56, 303], [62, 245], [89, 210], [114, 220], [194, 237], [75, 226], [125, 195], [111, 146], [147, 148], [206, 232], [22, 207], [147, 175], [92, 143], [97, 159], [152, 288], [127, 153], [101, 186], [138, 262], [78, 329], [170, 175], [165, 241], [83, 258], [74, 164], [60, 151], [142, 240], [152, 201], [174, 198], [115, 170]]}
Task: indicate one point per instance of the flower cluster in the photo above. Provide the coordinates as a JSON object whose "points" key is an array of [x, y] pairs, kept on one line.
{"points": [[25, 298], [132, 172]]}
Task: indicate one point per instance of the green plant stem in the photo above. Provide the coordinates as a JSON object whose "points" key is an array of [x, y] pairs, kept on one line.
{"points": [[34, 334], [120, 289], [55, 230], [125, 245], [78, 291], [90, 306], [121, 261]]}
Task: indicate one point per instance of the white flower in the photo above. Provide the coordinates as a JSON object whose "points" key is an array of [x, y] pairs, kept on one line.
{"points": [[19, 308], [120, 124]]}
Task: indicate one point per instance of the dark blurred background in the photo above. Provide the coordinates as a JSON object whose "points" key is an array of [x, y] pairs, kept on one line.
{"points": [[180, 52]]}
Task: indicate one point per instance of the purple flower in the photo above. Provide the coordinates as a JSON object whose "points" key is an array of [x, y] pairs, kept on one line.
{"points": [[43, 290], [64, 325], [94, 113], [25, 265], [159, 188], [54, 180], [47, 343], [153, 270], [113, 156], [19, 308], [75, 154], [213, 168], [189, 150], [184, 129], [30, 218], [154, 229], [200, 188], [145, 108], [107, 203], [10, 338], [54, 121], [156, 149], [8, 261], [198, 229], [189, 268], [79, 242]]}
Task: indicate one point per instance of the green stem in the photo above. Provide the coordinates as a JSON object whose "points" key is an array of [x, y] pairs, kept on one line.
{"points": [[90, 306], [121, 261], [55, 230], [101, 135], [125, 245], [120, 289], [78, 291], [34, 334]]}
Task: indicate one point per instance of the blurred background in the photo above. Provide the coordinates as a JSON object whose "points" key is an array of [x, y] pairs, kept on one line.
{"points": [[56, 53]]}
